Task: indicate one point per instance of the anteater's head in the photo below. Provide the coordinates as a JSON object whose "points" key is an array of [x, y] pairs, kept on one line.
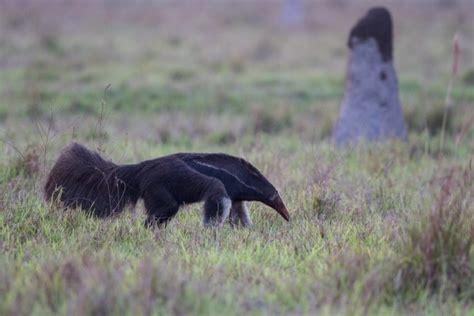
{"points": [[265, 192], [276, 203], [376, 24]]}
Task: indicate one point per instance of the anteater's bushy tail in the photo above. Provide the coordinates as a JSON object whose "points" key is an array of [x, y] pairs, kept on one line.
{"points": [[82, 178]]}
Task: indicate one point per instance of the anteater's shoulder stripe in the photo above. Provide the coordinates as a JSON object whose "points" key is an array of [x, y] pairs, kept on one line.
{"points": [[229, 173]]}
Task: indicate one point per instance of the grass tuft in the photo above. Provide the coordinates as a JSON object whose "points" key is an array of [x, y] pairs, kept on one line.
{"points": [[436, 247]]}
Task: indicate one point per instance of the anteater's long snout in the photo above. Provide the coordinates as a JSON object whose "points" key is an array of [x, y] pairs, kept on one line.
{"points": [[278, 205]]}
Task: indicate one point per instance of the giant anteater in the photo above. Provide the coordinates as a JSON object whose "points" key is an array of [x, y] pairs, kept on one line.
{"points": [[82, 178]]}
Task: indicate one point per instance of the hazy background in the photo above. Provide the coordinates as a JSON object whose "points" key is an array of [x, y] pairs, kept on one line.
{"points": [[259, 79]]}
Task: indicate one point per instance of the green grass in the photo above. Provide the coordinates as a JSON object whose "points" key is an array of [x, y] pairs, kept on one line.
{"points": [[343, 251], [380, 229]]}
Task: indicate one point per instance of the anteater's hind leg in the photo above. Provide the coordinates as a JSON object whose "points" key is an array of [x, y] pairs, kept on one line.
{"points": [[217, 204], [239, 214], [160, 206]]}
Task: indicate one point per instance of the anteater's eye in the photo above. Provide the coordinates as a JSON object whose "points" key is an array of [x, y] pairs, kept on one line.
{"points": [[274, 196]]}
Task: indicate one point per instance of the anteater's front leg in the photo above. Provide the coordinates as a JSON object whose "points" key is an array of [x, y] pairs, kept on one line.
{"points": [[160, 206], [239, 214], [217, 204]]}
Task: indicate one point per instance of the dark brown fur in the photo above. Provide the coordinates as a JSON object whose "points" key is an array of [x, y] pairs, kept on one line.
{"points": [[82, 178]]}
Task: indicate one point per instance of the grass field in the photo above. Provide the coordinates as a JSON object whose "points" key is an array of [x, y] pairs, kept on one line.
{"points": [[380, 229]]}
